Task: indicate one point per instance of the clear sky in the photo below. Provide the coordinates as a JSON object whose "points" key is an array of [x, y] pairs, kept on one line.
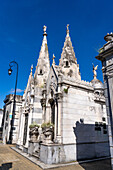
{"points": [[21, 33]]}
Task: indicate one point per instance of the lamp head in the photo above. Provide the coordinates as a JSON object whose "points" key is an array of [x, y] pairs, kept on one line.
{"points": [[10, 71]]}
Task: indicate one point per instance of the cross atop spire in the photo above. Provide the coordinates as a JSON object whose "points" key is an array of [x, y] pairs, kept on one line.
{"points": [[67, 29], [44, 29]]}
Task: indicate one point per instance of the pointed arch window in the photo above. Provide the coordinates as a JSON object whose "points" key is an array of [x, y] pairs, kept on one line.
{"points": [[66, 64], [40, 72]]}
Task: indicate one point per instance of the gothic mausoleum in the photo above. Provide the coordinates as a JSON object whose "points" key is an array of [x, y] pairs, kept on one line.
{"points": [[62, 118]]}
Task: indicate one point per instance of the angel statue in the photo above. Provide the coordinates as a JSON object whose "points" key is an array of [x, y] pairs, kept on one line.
{"points": [[94, 71]]}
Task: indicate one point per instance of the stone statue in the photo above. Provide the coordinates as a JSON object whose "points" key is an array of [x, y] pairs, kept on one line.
{"points": [[94, 71]]}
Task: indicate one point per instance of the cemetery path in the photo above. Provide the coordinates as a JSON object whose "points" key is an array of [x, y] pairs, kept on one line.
{"points": [[9, 159]]}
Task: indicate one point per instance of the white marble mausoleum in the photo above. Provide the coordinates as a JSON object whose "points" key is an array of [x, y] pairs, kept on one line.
{"points": [[62, 118]]}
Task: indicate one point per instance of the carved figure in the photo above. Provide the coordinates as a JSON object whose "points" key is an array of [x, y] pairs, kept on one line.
{"points": [[94, 71]]}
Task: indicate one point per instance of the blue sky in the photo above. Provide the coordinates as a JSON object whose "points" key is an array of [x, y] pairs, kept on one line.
{"points": [[21, 34]]}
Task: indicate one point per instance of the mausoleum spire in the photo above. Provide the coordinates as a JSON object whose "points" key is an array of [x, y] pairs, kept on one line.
{"points": [[44, 47], [43, 64], [68, 62], [29, 79]]}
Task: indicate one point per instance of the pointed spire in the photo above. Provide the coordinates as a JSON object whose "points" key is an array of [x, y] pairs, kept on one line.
{"points": [[29, 79], [67, 33], [68, 62], [53, 60], [44, 47], [67, 48], [43, 64]]}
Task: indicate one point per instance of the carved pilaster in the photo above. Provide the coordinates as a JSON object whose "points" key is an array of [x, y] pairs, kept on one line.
{"points": [[59, 101]]}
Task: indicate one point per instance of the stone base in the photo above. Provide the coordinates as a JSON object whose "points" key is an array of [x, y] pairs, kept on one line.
{"points": [[61, 153], [57, 153], [25, 149], [34, 148]]}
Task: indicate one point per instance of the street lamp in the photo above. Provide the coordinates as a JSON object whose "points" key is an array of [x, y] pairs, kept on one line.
{"points": [[10, 71], [14, 103]]}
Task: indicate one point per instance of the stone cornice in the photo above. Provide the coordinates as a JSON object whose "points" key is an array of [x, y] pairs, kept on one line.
{"points": [[105, 53], [79, 84]]}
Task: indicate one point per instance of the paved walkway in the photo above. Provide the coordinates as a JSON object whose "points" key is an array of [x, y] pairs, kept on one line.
{"points": [[9, 159]]}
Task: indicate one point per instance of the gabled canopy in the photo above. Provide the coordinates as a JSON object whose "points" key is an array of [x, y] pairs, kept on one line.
{"points": [[68, 62]]}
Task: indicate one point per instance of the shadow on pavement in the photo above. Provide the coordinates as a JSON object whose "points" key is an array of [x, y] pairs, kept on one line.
{"points": [[6, 166], [97, 165]]}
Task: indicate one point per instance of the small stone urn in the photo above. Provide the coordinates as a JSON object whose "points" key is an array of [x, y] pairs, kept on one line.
{"points": [[33, 132], [48, 131]]}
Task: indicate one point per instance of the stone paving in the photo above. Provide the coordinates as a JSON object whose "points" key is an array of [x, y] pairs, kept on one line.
{"points": [[9, 159]]}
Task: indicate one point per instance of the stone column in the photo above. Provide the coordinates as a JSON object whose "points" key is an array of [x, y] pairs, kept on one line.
{"points": [[56, 120], [59, 100], [22, 129], [29, 122], [106, 57], [43, 104]]}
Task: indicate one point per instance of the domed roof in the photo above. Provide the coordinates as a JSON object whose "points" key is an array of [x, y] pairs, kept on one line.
{"points": [[97, 84]]}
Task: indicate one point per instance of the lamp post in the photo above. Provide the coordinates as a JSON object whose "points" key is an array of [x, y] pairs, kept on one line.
{"points": [[14, 103]]}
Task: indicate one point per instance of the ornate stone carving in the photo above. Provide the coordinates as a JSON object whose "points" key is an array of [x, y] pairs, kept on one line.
{"points": [[34, 134], [58, 96], [48, 134]]}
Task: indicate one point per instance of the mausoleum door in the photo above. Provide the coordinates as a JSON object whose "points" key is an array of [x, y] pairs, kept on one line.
{"points": [[25, 129]]}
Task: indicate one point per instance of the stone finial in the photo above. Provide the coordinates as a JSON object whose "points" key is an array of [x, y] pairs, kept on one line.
{"points": [[109, 37], [53, 60], [94, 71], [31, 68], [44, 29], [67, 29]]}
